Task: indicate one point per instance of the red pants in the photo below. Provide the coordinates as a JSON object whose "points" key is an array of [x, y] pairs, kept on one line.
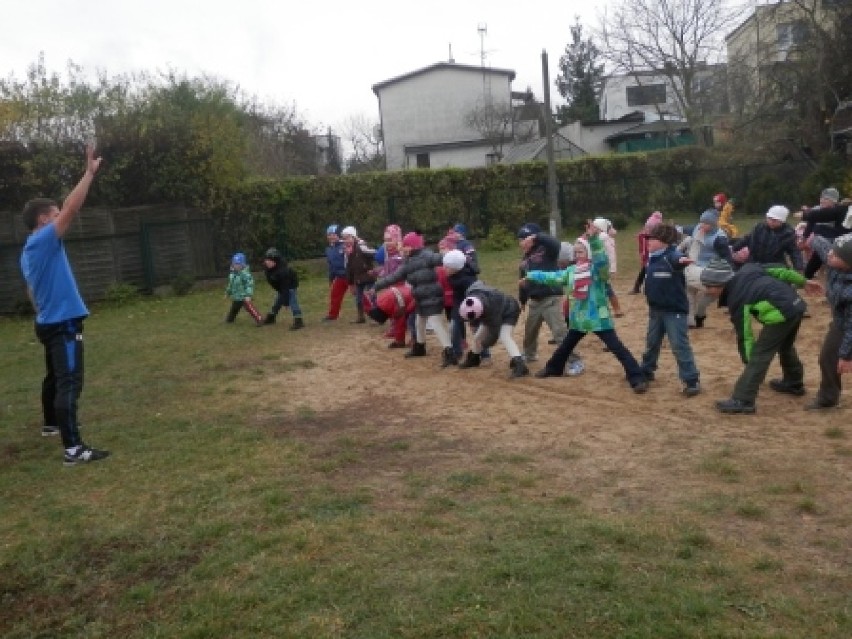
{"points": [[400, 324], [336, 292]]}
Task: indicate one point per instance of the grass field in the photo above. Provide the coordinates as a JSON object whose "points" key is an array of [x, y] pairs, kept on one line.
{"points": [[232, 507]]}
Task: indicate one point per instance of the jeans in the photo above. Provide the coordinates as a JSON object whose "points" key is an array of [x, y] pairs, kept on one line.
{"points": [[774, 338], [63, 381], [632, 371], [674, 326], [291, 300]]}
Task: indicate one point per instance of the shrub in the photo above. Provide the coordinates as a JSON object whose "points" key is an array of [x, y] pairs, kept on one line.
{"points": [[499, 239], [768, 190], [183, 283], [120, 294]]}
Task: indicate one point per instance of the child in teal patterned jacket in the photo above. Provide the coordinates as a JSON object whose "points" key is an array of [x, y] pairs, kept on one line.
{"points": [[240, 290], [585, 283]]}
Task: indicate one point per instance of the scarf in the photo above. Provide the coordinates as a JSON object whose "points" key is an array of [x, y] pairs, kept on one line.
{"points": [[582, 279]]}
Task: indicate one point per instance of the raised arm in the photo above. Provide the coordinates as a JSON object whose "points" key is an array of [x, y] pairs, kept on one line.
{"points": [[72, 204]]}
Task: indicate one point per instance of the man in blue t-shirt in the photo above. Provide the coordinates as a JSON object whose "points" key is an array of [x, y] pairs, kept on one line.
{"points": [[60, 312]]}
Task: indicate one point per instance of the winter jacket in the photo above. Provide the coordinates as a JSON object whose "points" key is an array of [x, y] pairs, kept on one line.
{"points": [[444, 281], [838, 291], [419, 271], [336, 259], [702, 247], [762, 293], [240, 285], [281, 276], [829, 219], [665, 282], [542, 256], [770, 246], [726, 220], [592, 313], [469, 250], [460, 281], [359, 264], [497, 309]]}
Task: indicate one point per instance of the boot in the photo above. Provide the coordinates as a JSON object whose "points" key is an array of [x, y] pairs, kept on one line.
{"points": [[519, 368], [269, 319], [298, 323], [449, 358], [699, 321], [418, 350], [471, 360]]}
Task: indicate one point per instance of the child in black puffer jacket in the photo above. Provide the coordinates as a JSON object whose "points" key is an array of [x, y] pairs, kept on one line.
{"points": [[418, 270], [285, 281]]}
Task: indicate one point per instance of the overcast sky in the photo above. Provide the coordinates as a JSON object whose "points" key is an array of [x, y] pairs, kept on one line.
{"points": [[322, 56]]}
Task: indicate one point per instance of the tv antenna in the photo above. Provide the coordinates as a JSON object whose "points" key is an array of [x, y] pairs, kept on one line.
{"points": [[483, 31]]}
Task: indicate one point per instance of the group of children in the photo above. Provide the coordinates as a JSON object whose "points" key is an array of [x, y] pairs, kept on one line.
{"points": [[684, 270]]}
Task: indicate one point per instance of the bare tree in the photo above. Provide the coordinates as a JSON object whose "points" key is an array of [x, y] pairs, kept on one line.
{"points": [[673, 39], [493, 121], [364, 140]]}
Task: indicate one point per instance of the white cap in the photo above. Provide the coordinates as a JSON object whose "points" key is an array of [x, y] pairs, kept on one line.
{"points": [[778, 212], [349, 230], [454, 259]]}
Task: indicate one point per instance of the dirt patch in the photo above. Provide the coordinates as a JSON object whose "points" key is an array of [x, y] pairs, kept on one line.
{"points": [[778, 480]]}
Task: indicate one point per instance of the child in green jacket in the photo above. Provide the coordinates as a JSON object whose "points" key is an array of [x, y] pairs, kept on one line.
{"points": [[240, 290]]}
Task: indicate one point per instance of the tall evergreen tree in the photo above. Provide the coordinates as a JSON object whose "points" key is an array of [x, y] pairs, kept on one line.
{"points": [[579, 79]]}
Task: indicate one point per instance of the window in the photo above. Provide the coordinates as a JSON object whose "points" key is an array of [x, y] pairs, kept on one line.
{"points": [[646, 94], [423, 161], [790, 36]]}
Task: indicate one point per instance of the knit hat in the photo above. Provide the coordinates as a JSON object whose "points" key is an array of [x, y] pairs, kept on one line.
{"points": [[239, 258], [413, 240], [582, 241], [721, 198], [602, 224], [655, 218], [710, 216], [530, 228], [333, 229], [461, 229], [349, 230], [665, 233], [842, 248], [778, 212], [716, 273], [454, 259], [830, 194]]}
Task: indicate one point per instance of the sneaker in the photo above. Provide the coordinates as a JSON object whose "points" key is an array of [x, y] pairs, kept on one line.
{"points": [[328, 319], [790, 388], [735, 407], [819, 405], [85, 454], [691, 390], [395, 344], [49, 431], [572, 369]]}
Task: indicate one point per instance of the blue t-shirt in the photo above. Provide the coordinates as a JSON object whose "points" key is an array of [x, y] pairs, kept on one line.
{"points": [[48, 274]]}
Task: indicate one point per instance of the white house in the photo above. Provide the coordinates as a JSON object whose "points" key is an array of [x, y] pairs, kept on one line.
{"points": [[650, 93], [423, 115]]}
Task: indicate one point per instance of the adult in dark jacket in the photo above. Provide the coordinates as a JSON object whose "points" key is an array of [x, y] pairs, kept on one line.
{"points": [[761, 293], [284, 280], [770, 242], [827, 220], [542, 301], [418, 270]]}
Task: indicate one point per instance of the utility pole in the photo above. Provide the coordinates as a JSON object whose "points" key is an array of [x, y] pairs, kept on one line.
{"points": [[555, 218]]}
